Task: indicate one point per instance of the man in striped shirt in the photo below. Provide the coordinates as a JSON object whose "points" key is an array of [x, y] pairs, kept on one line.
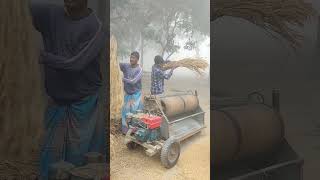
{"points": [[158, 75], [132, 75]]}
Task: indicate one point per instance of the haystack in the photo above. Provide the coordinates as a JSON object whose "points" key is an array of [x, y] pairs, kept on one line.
{"points": [[20, 82], [116, 87], [21, 98], [278, 18]]}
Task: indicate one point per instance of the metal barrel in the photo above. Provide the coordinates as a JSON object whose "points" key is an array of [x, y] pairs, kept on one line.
{"points": [[248, 131], [175, 105]]}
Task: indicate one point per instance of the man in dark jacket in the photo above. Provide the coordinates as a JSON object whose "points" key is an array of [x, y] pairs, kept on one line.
{"points": [[73, 39]]}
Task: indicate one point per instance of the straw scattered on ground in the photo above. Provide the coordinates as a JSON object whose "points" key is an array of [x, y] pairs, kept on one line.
{"points": [[115, 143], [197, 65]]}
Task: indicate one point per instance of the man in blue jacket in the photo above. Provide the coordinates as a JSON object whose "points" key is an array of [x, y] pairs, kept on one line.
{"points": [[132, 75]]}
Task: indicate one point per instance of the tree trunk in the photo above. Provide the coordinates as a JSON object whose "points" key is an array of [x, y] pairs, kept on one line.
{"points": [[197, 49], [167, 58], [163, 51]]}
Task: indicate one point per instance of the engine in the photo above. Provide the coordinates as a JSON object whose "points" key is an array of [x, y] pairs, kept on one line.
{"points": [[145, 128]]}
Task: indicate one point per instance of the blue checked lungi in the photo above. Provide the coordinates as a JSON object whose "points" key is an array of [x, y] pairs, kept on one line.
{"points": [[132, 103], [72, 131]]}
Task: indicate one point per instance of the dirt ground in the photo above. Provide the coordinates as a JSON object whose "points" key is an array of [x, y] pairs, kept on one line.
{"points": [[194, 161]]}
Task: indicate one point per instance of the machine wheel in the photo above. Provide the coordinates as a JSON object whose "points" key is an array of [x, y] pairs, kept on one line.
{"points": [[170, 153], [132, 145]]}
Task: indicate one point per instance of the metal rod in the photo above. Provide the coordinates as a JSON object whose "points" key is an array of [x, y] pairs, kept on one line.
{"points": [[276, 100], [318, 33], [181, 119]]}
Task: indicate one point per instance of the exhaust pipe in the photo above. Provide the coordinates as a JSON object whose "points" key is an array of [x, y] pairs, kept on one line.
{"points": [[276, 100]]}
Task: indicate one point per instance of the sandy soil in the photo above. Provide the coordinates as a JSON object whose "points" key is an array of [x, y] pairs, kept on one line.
{"points": [[194, 161]]}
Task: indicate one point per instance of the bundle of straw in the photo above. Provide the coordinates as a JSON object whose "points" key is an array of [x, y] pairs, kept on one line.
{"points": [[116, 85], [21, 99], [276, 17], [193, 64]]}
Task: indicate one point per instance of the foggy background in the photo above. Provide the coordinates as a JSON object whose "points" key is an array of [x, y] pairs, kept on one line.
{"points": [[131, 14], [244, 58]]}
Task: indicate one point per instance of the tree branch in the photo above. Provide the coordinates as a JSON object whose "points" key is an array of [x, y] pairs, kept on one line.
{"points": [[170, 55], [171, 14]]}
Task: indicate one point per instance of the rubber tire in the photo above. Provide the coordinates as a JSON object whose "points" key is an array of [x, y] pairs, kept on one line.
{"points": [[132, 145], [165, 150]]}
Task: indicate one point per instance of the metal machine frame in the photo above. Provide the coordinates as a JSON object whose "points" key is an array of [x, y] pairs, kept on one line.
{"points": [[173, 130]]}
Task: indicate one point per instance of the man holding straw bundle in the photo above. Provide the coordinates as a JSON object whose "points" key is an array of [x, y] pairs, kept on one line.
{"points": [[73, 39], [159, 74], [132, 74]]}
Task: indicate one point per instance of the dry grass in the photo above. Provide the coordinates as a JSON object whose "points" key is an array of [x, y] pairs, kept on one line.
{"points": [[277, 17], [194, 64]]}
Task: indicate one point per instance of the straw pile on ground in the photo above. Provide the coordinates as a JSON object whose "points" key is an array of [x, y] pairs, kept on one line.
{"points": [[193, 64], [116, 87], [21, 99], [115, 144], [20, 170], [276, 17]]}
